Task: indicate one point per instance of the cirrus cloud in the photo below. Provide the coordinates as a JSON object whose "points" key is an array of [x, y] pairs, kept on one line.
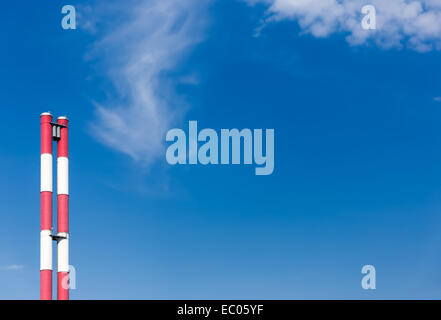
{"points": [[138, 50], [13, 267]]}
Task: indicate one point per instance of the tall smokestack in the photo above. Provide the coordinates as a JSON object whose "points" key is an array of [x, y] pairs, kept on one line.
{"points": [[46, 207], [58, 132], [63, 210]]}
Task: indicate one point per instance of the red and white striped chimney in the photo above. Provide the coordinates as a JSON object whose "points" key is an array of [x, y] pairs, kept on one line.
{"points": [[59, 132], [46, 207], [63, 210]]}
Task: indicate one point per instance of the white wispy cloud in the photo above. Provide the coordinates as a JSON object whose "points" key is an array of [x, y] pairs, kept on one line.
{"points": [[138, 51], [414, 24], [13, 267]]}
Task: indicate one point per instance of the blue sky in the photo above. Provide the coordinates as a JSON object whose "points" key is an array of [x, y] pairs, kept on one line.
{"points": [[357, 135]]}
